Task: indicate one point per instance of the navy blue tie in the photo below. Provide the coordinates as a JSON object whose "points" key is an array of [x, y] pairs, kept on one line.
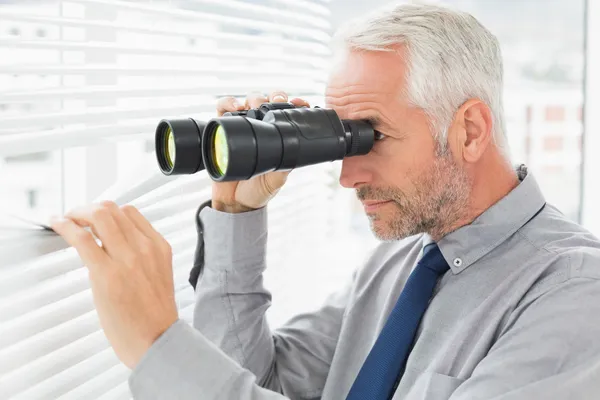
{"points": [[385, 363]]}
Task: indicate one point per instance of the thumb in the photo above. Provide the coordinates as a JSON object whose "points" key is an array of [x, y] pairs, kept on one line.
{"points": [[274, 181], [256, 192]]}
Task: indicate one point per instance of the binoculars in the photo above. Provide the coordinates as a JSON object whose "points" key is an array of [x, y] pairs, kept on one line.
{"points": [[274, 137]]}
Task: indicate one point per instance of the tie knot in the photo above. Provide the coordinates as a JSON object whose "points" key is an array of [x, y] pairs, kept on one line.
{"points": [[433, 259]]}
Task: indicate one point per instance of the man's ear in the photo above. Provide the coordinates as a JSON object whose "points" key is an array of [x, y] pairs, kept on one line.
{"points": [[472, 130]]}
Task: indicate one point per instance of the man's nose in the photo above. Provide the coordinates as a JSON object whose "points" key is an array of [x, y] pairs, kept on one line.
{"points": [[354, 174]]}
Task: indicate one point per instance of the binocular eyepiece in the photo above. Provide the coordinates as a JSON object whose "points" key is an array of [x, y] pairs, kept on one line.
{"points": [[274, 137]]}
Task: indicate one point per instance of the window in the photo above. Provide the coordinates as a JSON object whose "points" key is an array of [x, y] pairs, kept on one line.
{"points": [[591, 117], [553, 143], [552, 169], [543, 50], [555, 113], [112, 70], [32, 198], [527, 146]]}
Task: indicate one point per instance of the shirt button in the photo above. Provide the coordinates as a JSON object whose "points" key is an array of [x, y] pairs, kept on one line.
{"points": [[457, 262]]}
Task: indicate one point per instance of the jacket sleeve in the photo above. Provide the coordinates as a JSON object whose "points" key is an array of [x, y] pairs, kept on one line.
{"points": [[182, 364], [232, 353]]}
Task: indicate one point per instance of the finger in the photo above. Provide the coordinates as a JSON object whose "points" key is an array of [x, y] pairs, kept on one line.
{"points": [[155, 243], [227, 104], [142, 224], [90, 252], [132, 234], [299, 102], [278, 96], [99, 217], [254, 100]]}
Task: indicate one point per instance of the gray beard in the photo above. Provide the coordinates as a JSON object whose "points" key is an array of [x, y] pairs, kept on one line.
{"points": [[440, 201]]}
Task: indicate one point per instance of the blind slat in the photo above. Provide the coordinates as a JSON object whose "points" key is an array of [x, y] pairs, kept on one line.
{"points": [[120, 392], [157, 51], [111, 92], [99, 115], [271, 11], [310, 33], [224, 71], [177, 30], [55, 139]]}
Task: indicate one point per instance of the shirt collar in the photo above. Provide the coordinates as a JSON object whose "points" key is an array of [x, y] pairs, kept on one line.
{"points": [[469, 243], [425, 240]]}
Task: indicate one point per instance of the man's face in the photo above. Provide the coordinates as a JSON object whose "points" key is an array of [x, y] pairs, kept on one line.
{"points": [[406, 185]]}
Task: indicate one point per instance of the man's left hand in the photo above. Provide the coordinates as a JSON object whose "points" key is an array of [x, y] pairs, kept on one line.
{"points": [[131, 274]]}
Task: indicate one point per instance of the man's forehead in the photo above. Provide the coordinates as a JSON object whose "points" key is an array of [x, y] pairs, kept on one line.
{"points": [[369, 71]]}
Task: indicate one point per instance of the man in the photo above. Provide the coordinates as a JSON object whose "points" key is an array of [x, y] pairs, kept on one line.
{"points": [[507, 307]]}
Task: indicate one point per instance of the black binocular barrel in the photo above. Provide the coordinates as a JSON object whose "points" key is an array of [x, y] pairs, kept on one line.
{"points": [[273, 137]]}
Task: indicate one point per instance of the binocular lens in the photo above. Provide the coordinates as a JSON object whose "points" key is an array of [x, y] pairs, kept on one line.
{"points": [[177, 145], [170, 146], [220, 150]]}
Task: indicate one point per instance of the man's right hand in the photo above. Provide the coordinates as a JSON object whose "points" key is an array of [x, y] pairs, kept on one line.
{"points": [[255, 193]]}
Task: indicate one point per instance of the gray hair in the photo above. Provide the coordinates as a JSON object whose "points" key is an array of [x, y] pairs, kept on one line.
{"points": [[451, 58]]}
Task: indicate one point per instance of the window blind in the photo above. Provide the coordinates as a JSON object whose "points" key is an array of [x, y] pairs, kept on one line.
{"points": [[102, 72]]}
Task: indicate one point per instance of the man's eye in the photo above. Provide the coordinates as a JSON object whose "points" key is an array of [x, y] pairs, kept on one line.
{"points": [[379, 136]]}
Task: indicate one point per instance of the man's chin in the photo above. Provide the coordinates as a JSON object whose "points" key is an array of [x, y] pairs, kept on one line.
{"points": [[383, 231]]}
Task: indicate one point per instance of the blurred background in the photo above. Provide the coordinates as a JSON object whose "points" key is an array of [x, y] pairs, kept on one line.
{"points": [[84, 82], [100, 68]]}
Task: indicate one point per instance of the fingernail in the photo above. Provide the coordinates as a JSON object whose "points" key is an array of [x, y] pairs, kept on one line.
{"points": [[278, 99], [235, 104]]}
